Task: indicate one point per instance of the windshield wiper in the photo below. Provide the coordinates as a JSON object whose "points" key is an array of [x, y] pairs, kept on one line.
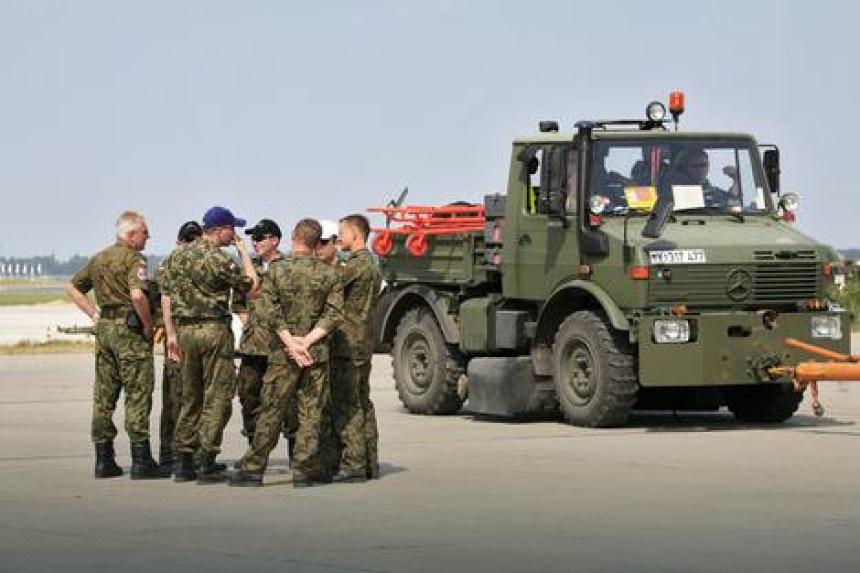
{"points": [[713, 211]]}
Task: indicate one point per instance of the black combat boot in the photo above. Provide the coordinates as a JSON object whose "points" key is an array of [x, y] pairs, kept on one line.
{"points": [[346, 476], [291, 445], [373, 472], [198, 463], [105, 463], [241, 478], [142, 464], [165, 461], [183, 467], [209, 471]]}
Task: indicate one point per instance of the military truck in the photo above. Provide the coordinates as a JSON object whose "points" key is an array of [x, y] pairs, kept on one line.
{"points": [[628, 265]]}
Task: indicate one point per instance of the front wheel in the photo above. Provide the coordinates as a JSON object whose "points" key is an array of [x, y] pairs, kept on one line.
{"points": [[427, 369], [594, 370], [762, 403]]}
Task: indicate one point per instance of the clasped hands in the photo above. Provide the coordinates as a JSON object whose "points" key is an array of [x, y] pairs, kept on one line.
{"points": [[298, 348]]}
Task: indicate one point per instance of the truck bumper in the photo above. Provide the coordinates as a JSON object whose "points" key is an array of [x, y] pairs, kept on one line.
{"points": [[727, 347]]}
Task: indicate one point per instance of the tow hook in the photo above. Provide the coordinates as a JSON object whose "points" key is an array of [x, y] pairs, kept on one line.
{"points": [[841, 368]]}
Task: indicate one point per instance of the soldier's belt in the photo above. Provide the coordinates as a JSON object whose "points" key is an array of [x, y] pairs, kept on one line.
{"points": [[114, 312], [191, 320]]}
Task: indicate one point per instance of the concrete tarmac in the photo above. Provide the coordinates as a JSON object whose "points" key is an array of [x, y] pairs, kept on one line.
{"points": [[698, 492]]}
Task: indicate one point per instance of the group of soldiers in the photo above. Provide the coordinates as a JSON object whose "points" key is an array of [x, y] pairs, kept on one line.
{"points": [[305, 349]]}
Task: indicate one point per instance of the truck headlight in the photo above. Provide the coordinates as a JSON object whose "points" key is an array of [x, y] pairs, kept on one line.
{"points": [[826, 327], [671, 331]]}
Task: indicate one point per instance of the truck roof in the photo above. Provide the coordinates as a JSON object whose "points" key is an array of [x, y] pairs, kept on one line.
{"points": [[564, 137]]}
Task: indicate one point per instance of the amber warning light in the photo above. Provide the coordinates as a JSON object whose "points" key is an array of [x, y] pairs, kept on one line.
{"points": [[676, 106]]}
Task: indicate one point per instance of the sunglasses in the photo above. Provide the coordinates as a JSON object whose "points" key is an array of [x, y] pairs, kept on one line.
{"points": [[258, 238]]}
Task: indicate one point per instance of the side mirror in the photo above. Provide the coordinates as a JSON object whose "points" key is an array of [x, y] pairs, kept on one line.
{"points": [[771, 169], [656, 223]]}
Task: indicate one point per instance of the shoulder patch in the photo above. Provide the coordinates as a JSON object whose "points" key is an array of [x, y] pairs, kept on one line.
{"points": [[141, 271]]}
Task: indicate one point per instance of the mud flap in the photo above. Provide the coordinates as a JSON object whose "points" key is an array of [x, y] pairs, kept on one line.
{"points": [[506, 386]]}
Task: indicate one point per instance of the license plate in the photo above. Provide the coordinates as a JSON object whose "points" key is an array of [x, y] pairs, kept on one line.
{"points": [[678, 257]]}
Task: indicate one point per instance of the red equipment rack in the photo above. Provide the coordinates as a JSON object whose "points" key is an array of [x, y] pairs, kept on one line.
{"points": [[419, 222]]}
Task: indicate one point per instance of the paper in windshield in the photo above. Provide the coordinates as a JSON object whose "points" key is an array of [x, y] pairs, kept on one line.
{"points": [[688, 197]]}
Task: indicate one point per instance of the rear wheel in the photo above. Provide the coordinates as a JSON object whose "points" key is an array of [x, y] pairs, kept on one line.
{"points": [[427, 370], [763, 403], [594, 370]]}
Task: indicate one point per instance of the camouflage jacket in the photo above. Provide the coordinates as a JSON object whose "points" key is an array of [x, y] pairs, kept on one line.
{"points": [[112, 273], [302, 292], [199, 278], [256, 336], [361, 281]]}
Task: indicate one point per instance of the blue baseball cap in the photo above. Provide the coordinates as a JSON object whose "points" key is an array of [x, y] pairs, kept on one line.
{"points": [[219, 216]]}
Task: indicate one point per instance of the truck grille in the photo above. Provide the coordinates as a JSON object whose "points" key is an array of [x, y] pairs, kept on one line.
{"points": [[758, 284]]}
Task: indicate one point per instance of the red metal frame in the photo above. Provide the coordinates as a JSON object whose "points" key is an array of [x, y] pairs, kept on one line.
{"points": [[420, 221]]}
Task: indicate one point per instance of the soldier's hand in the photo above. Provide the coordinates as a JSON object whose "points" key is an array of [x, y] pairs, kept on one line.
{"points": [[301, 341], [298, 352], [239, 244], [174, 351], [148, 332]]}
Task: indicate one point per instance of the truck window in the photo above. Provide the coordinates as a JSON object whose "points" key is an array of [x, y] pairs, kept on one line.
{"points": [[555, 183], [718, 176], [533, 189]]}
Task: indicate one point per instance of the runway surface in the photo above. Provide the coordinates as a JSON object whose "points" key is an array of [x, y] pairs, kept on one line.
{"points": [[694, 493]]}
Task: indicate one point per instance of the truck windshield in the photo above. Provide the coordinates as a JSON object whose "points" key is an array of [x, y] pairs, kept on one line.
{"points": [[698, 175]]}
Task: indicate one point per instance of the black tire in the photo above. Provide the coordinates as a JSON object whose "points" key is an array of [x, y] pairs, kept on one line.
{"points": [[595, 371], [427, 370], [762, 403]]}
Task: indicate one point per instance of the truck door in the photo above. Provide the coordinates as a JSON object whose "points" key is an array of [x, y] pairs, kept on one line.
{"points": [[540, 233]]}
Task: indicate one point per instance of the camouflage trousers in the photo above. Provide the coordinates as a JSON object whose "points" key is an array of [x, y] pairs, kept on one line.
{"points": [[309, 388], [171, 399], [123, 363], [250, 387], [354, 416], [249, 384], [208, 376]]}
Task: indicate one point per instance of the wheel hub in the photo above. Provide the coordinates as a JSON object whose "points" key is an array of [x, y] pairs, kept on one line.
{"points": [[580, 375], [418, 361]]}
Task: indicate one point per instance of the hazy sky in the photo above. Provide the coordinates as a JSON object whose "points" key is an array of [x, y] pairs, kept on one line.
{"points": [[292, 109]]}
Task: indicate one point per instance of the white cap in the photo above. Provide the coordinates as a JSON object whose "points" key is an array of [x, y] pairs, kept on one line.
{"points": [[329, 230]]}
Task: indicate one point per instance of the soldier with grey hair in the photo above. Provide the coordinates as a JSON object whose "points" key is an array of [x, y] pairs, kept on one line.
{"points": [[124, 362]]}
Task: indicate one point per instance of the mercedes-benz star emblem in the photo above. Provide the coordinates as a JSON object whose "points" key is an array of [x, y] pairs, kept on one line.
{"points": [[739, 285]]}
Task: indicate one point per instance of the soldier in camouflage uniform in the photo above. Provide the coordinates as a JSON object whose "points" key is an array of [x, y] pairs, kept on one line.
{"points": [[327, 250], [255, 342], [171, 384], [352, 348], [305, 299], [197, 318], [124, 361]]}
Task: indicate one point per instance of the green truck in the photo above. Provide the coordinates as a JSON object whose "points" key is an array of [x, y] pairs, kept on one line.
{"points": [[628, 266]]}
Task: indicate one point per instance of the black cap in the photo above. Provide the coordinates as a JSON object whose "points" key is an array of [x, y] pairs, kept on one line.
{"points": [[266, 227], [189, 231]]}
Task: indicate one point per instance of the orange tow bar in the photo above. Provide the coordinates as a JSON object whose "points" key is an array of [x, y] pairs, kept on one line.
{"points": [[845, 368]]}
